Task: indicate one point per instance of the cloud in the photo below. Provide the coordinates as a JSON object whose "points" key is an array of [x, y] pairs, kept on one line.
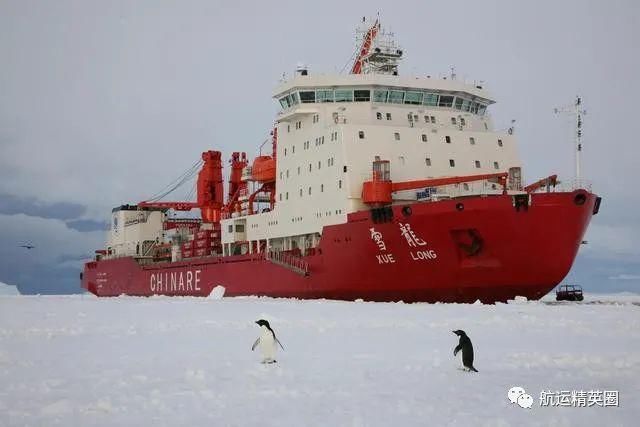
{"points": [[87, 225], [12, 205], [625, 277], [612, 241]]}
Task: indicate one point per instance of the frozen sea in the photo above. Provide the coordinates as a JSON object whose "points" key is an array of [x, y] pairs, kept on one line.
{"points": [[84, 361]]}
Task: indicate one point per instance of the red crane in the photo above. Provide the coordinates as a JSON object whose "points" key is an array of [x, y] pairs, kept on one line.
{"points": [[210, 192]]}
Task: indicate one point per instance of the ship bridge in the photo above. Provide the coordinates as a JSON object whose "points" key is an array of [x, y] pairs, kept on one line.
{"points": [[305, 90]]}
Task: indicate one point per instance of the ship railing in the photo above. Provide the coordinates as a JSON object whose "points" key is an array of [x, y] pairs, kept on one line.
{"points": [[566, 186], [290, 261]]}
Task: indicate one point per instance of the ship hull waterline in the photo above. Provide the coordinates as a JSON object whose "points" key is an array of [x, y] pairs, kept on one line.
{"points": [[461, 250]]}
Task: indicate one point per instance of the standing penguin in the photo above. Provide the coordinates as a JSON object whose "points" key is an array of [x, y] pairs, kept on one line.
{"points": [[267, 342], [467, 350]]}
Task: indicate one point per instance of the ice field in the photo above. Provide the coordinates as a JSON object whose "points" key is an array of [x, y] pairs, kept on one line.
{"points": [[84, 361]]}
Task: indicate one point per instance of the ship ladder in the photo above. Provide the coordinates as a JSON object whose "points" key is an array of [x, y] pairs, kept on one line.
{"points": [[289, 261]]}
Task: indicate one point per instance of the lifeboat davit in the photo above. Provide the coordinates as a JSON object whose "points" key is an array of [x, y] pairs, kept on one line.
{"points": [[264, 169]]}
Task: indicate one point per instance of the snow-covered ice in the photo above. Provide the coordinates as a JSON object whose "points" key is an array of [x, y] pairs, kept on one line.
{"points": [[8, 289], [83, 361]]}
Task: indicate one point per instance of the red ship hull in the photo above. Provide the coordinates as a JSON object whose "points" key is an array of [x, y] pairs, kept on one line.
{"points": [[462, 250]]}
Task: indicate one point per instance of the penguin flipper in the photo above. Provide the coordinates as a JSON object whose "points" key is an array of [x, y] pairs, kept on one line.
{"points": [[255, 344], [457, 349], [278, 341]]}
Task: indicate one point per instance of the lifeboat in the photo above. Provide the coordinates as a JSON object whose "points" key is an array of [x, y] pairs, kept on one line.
{"points": [[264, 169]]}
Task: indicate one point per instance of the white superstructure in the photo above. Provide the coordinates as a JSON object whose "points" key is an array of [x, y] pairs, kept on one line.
{"points": [[332, 127]]}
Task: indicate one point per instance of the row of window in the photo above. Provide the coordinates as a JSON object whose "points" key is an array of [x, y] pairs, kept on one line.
{"points": [[309, 191], [306, 145], [330, 162], [385, 95], [328, 213], [452, 163], [427, 119], [423, 138]]}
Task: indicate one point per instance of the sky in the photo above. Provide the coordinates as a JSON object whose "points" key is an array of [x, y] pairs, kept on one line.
{"points": [[103, 103]]}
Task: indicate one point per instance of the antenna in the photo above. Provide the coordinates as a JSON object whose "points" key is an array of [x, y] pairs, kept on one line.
{"points": [[578, 112]]}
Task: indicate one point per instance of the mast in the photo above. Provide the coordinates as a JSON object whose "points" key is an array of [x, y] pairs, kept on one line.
{"points": [[578, 112], [377, 51]]}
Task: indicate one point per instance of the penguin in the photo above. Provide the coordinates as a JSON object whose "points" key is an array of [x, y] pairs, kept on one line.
{"points": [[467, 350], [267, 342]]}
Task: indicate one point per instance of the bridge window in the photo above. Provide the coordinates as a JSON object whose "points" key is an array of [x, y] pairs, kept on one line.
{"points": [[459, 102], [445, 101], [324, 95], [396, 96], [431, 99], [413, 98], [380, 95], [307, 96], [283, 102], [343, 95], [362, 95], [481, 109]]}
